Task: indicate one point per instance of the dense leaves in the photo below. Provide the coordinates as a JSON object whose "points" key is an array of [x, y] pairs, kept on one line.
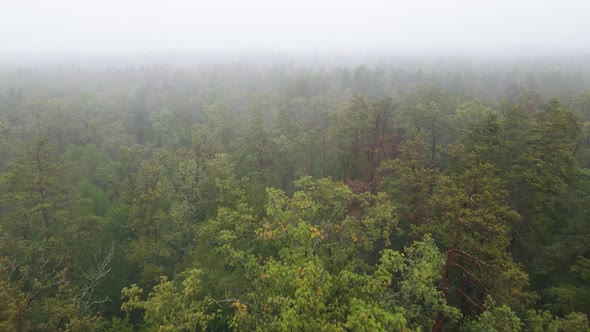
{"points": [[283, 199]]}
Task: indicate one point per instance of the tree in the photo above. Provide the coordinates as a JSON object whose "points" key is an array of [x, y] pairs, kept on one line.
{"points": [[176, 305], [410, 180], [44, 247], [473, 224]]}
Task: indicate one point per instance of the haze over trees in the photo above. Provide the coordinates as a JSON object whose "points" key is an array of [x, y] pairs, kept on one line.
{"points": [[384, 196], [294, 166]]}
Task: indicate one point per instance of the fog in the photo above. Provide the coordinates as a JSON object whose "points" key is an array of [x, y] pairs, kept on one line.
{"points": [[302, 165], [31, 29]]}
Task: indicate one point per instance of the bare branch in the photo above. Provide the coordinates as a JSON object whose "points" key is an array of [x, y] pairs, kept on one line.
{"points": [[468, 298]]}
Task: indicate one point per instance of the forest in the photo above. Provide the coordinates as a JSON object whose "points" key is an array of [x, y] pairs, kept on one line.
{"points": [[382, 194]]}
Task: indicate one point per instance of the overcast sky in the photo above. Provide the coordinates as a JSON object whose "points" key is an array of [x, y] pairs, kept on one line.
{"points": [[126, 26]]}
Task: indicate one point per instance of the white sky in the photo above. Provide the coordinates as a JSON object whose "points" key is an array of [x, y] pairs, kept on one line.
{"points": [[122, 26]]}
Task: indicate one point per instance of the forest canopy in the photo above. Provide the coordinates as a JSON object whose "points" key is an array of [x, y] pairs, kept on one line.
{"points": [[402, 194]]}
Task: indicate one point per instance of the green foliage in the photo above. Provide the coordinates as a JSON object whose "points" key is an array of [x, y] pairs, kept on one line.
{"points": [[545, 321], [213, 193], [410, 180], [173, 305], [495, 319]]}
